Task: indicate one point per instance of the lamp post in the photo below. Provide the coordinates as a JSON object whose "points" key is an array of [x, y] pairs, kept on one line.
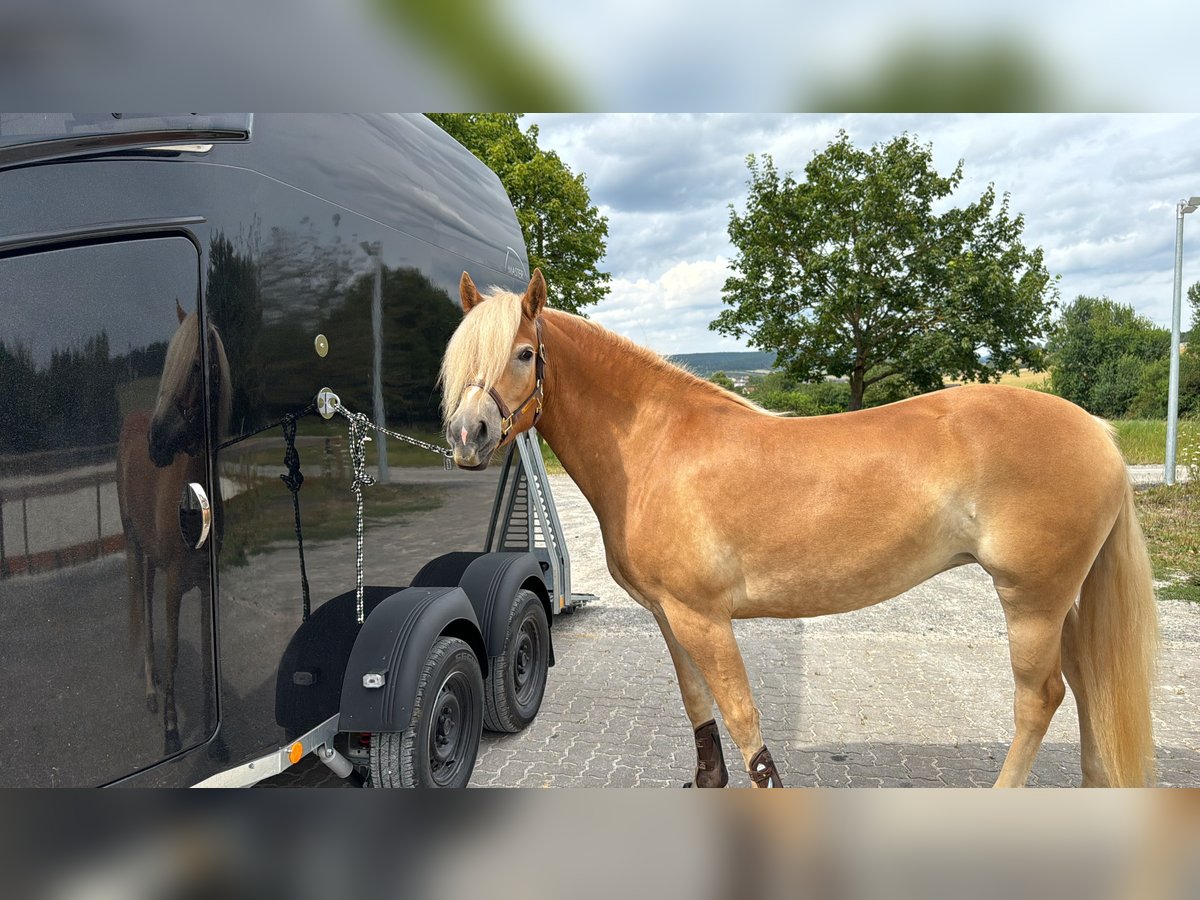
{"points": [[1182, 208], [374, 249]]}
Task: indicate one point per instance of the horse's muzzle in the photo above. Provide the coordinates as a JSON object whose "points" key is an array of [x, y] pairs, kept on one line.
{"points": [[170, 436], [468, 456], [474, 439]]}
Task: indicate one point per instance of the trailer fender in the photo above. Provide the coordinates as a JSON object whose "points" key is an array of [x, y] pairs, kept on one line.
{"points": [[491, 581], [380, 684], [445, 569], [308, 686]]}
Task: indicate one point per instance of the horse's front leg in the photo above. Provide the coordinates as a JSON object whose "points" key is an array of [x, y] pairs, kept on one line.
{"points": [[174, 596], [709, 642], [146, 598], [698, 701]]}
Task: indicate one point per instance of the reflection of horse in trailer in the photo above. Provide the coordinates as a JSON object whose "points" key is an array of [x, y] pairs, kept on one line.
{"points": [[159, 455], [306, 274]]}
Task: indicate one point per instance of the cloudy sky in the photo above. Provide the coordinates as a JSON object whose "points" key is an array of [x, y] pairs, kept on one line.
{"points": [[1098, 193]]}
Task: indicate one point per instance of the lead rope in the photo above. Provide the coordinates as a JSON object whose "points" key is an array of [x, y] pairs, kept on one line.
{"points": [[358, 425], [294, 480], [358, 459]]}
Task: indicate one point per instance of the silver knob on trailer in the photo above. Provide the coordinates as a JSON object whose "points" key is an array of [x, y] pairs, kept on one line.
{"points": [[327, 403]]}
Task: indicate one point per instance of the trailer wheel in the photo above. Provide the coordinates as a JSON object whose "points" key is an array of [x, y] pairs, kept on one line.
{"points": [[439, 747], [517, 676]]}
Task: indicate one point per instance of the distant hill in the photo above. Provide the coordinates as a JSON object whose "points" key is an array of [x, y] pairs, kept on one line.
{"points": [[705, 364]]}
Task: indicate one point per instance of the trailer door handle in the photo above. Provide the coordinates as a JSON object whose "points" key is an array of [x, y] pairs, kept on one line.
{"points": [[195, 516]]}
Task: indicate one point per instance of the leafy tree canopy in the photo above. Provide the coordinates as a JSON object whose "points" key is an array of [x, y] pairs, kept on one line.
{"points": [[863, 270], [1193, 296], [564, 233], [1099, 349]]}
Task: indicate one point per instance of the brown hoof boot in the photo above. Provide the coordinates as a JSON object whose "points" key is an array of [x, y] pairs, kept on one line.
{"points": [[762, 770], [710, 765]]}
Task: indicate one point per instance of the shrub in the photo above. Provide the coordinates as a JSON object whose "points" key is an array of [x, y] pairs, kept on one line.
{"points": [[1117, 384], [1096, 346], [1151, 399]]}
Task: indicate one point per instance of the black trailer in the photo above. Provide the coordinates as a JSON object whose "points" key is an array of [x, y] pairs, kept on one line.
{"points": [[175, 291]]}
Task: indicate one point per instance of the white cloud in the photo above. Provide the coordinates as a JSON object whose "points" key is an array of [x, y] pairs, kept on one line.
{"points": [[670, 313], [1097, 192]]}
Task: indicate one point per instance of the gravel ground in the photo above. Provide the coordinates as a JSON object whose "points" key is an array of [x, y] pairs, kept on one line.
{"points": [[913, 692]]}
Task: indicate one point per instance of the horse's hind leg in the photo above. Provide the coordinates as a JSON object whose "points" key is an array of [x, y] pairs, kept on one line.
{"points": [[1093, 767], [698, 701], [712, 647], [1035, 650]]}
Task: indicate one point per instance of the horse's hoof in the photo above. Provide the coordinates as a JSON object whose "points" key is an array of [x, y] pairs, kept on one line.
{"points": [[171, 744]]}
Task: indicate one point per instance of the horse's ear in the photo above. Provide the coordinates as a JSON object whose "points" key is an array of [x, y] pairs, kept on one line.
{"points": [[535, 295], [179, 311], [467, 292]]}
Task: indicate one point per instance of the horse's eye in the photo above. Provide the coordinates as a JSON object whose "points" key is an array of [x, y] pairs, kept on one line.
{"points": [[196, 366], [526, 355]]}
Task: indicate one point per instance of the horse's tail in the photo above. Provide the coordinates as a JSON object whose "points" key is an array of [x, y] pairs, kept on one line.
{"points": [[1118, 642]]}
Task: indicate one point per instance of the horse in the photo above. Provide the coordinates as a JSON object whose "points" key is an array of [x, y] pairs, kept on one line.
{"points": [[158, 453], [713, 509]]}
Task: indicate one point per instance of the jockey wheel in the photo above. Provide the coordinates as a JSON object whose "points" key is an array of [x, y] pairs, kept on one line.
{"points": [[517, 676], [439, 747]]}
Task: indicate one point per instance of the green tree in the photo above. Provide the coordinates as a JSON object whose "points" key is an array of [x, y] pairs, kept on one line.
{"points": [[564, 233], [1193, 295], [1100, 351], [720, 378], [853, 273]]}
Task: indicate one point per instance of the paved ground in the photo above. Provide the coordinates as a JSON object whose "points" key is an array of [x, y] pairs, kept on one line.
{"points": [[914, 692]]}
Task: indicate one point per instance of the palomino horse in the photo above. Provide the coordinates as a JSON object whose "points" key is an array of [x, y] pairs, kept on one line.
{"points": [[712, 509], [158, 454]]}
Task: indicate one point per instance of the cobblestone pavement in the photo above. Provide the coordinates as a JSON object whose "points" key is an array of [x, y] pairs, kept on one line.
{"points": [[913, 692]]}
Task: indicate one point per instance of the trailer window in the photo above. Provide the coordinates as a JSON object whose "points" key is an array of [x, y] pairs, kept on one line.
{"points": [[83, 342]]}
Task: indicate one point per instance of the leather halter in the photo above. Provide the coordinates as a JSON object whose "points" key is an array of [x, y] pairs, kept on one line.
{"points": [[509, 419]]}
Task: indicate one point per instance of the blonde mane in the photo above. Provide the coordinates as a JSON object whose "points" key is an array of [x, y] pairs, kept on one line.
{"points": [[480, 347], [672, 373], [181, 354]]}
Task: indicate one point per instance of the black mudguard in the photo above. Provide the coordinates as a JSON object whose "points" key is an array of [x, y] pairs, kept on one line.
{"points": [[308, 687], [446, 569], [491, 581], [394, 642]]}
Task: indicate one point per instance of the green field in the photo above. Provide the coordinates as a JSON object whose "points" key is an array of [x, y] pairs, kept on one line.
{"points": [[1170, 518], [1144, 441]]}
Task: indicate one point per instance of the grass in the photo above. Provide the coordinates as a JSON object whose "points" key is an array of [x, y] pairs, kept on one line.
{"points": [[1170, 518], [262, 517], [553, 466], [1027, 378], [1144, 441]]}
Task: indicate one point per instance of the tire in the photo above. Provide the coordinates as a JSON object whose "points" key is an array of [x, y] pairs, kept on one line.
{"points": [[439, 747], [517, 676]]}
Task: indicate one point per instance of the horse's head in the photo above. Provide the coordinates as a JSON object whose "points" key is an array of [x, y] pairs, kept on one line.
{"points": [[177, 425], [493, 370]]}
